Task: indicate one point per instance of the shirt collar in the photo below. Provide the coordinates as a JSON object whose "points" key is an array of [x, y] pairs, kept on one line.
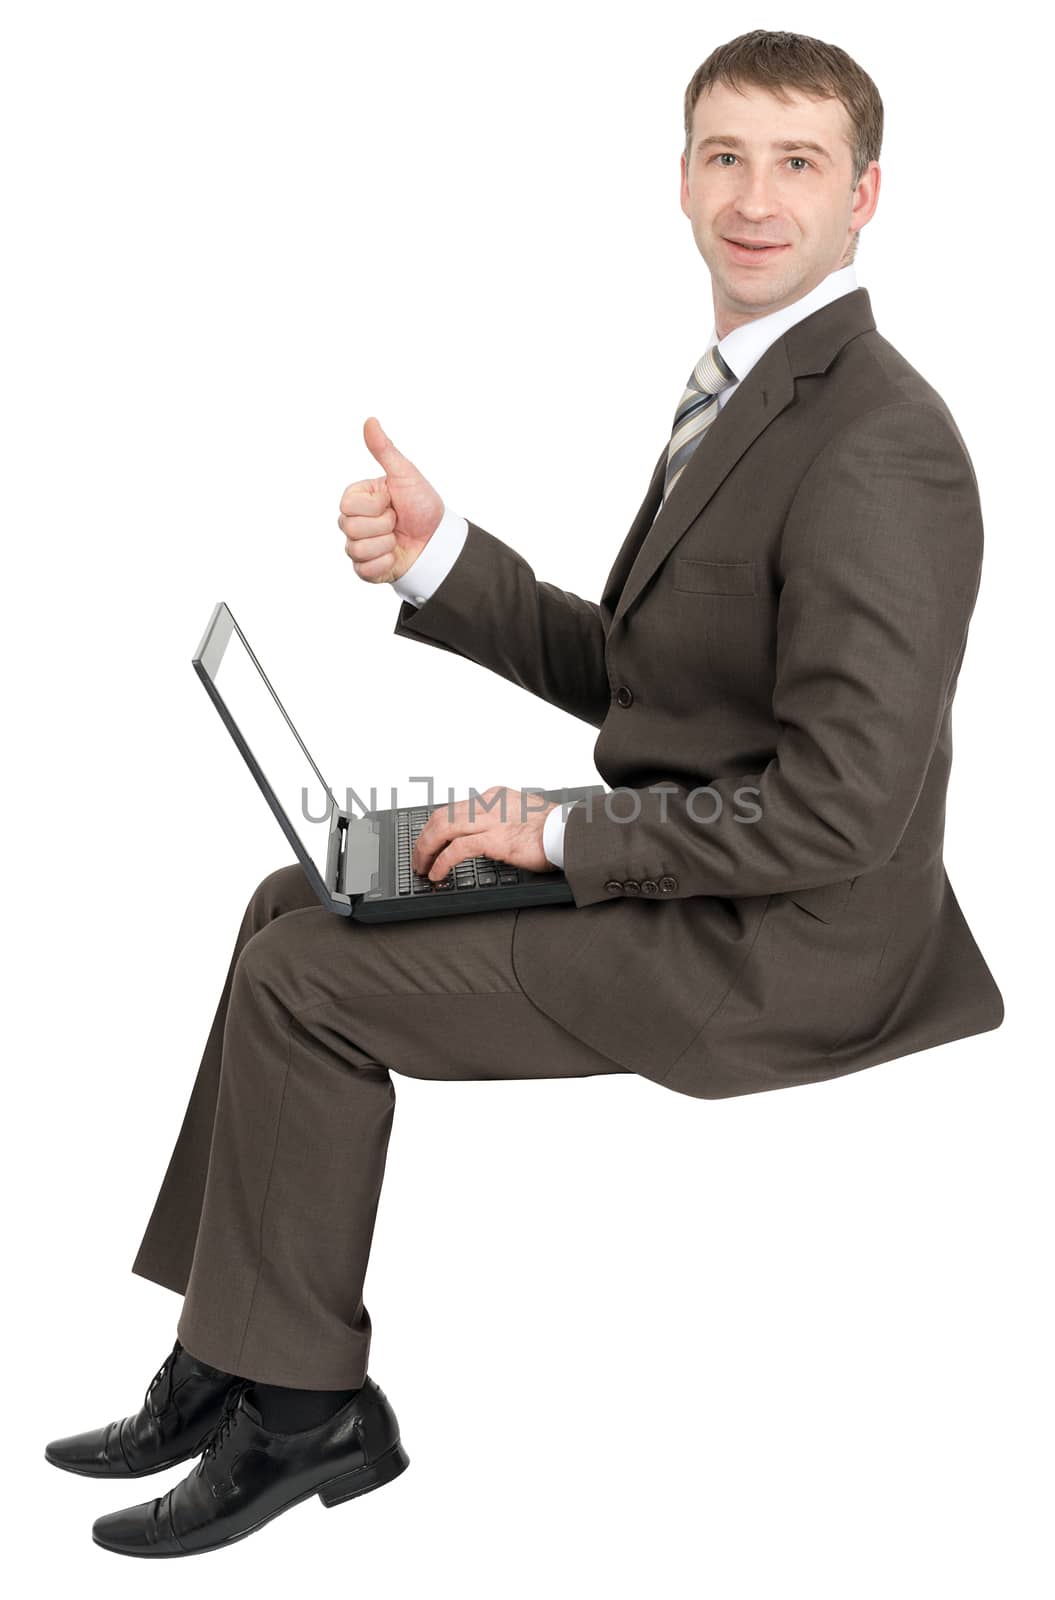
{"points": [[748, 343]]}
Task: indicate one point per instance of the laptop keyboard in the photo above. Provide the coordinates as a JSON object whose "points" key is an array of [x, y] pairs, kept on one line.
{"points": [[478, 872]]}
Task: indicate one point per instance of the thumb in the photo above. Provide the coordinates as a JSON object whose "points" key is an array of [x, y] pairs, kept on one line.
{"points": [[383, 450]]}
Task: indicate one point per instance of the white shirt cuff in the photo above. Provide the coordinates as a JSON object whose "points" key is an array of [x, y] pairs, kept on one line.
{"points": [[435, 561], [553, 836]]}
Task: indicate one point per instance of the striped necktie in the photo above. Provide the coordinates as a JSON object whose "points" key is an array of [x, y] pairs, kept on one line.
{"points": [[696, 411]]}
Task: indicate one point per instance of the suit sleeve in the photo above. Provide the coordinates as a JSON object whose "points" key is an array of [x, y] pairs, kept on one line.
{"points": [[540, 637], [879, 568]]}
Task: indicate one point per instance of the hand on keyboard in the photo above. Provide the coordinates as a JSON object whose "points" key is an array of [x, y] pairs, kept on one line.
{"points": [[503, 826]]}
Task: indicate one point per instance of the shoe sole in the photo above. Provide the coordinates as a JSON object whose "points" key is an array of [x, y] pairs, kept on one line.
{"points": [[349, 1485], [117, 1477]]}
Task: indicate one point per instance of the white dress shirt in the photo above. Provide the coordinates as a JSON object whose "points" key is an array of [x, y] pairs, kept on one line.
{"points": [[741, 349]]}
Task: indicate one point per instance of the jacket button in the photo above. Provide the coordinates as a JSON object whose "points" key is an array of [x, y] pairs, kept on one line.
{"points": [[614, 886], [648, 886], [667, 885], [624, 695], [631, 886]]}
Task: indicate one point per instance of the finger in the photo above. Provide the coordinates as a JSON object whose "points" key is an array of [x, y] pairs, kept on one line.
{"points": [[480, 812], [445, 823], [366, 549], [368, 527], [457, 844], [383, 450], [376, 570], [366, 498], [460, 849]]}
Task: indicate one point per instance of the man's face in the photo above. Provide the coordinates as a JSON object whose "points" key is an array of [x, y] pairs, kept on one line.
{"points": [[752, 176]]}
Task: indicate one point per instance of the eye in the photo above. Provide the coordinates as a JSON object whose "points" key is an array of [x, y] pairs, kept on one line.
{"points": [[723, 154]]}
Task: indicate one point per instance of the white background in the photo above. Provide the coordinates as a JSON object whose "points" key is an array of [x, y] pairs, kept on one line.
{"points": [[793, 1342]]}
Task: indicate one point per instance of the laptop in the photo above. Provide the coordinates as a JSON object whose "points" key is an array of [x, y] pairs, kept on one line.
{"points": [[359, 866]]}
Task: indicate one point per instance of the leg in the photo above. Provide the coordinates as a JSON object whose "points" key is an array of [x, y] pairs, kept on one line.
{"points": [[320, 1008], [167, 1247]]}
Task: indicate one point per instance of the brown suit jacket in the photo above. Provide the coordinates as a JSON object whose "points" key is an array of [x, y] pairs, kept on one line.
{"points": [[785, 640]]}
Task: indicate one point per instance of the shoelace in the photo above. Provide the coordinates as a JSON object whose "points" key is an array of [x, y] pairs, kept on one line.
{"points": [[214, 1441], [165, 1371]]}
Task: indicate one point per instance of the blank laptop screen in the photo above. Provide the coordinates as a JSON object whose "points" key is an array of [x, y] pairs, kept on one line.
{"points": [[255, 715]]}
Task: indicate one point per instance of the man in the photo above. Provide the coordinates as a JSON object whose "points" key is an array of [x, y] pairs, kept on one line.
{"points": [[771, 667]]}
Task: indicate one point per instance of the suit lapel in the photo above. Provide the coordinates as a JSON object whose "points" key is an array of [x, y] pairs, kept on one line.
{"points": [[807, 347], [638, 529]]}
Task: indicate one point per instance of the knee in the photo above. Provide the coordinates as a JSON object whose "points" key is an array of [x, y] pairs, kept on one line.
{"points": [[263, 957], [281, 890]]}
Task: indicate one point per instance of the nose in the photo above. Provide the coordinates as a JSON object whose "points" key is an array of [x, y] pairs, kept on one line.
{"points": [[756, 197]]}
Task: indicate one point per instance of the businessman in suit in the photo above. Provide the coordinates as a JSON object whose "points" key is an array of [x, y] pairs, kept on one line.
{"points": [[759, 902]]}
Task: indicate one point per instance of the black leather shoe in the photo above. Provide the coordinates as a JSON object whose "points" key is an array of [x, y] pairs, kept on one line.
{"points": [[246, 1476], [182, 1406]]}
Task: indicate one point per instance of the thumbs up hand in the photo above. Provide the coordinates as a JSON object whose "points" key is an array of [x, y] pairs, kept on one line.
{"points": [[388, 521]]}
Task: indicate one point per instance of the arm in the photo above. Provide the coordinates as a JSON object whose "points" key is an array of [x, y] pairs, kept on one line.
{"points": [[417, 584], [879, 566], [476, 598], [538, 636]]}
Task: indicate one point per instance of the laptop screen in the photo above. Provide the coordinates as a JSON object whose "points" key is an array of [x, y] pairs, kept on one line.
{"points": [[267, 739]]}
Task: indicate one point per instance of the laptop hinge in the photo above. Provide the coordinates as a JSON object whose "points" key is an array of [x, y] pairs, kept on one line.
{"points": [[360, 855]]}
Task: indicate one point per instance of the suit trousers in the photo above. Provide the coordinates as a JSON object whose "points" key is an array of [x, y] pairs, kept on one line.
{"points": [[266, 1212]]}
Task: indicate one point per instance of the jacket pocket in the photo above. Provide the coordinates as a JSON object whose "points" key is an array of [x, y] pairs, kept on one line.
{"points": [[825, 901], [714, 577]]}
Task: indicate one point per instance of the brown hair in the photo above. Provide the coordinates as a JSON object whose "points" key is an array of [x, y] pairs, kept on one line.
{"points": [[781, 61]]}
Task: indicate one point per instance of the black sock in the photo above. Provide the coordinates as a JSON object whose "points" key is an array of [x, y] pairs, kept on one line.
{"points": [[290, 1410]]}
